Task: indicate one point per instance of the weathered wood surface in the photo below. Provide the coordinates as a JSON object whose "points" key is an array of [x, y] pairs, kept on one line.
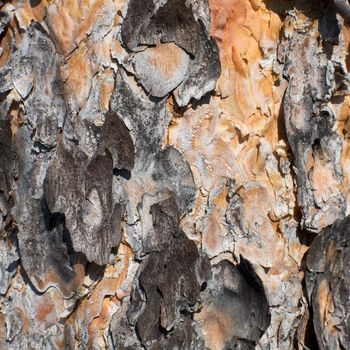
{"points": [[174, 174]]}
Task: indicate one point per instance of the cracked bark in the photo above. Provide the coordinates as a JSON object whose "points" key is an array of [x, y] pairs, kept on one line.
{"points": [[174, 174]]}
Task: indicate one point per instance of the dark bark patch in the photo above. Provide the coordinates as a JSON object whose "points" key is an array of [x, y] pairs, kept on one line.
{"points": [[328, 285], [169, 285]]}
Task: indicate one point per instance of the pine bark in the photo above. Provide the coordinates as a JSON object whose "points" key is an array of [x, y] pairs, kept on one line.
{"points": [[174, 174]]}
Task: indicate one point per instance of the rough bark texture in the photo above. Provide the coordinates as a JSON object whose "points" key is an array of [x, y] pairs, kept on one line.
{"points": [[174, 174]]}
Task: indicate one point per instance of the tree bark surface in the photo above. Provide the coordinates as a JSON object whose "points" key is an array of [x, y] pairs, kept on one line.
{"points": [[174, 174]]}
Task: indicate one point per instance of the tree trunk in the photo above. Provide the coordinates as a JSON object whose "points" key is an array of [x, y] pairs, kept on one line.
{"points": [[174, 174]]}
